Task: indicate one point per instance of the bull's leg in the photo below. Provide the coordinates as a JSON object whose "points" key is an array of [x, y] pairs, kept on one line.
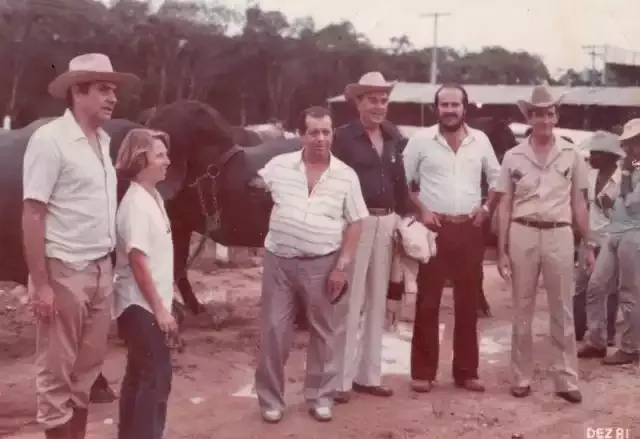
{"points": [[181, 240]]}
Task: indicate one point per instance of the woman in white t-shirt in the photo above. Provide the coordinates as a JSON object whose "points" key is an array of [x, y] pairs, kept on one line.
{"points": [[143, 286]]}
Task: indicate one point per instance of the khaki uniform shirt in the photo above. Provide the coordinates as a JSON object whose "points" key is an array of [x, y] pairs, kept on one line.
{"points": [[543, 192]]}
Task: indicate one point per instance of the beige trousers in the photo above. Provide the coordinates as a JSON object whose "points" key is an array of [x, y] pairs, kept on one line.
{"points": [[71, 348], [360, 316], [549, 252]]}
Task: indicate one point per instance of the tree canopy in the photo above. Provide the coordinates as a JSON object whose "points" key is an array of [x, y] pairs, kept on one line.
{"points": [[251, 65]]}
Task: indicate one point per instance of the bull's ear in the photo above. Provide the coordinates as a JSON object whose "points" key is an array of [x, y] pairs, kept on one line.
{"points": [[173, 183]]}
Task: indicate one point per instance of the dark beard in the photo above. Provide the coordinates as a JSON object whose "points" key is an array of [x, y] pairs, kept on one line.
{"points": [[451, 128]]}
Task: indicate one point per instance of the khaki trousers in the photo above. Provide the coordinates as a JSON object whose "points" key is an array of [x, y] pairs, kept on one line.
{"points": [[550, 252], [71, 347], [360, 316]]}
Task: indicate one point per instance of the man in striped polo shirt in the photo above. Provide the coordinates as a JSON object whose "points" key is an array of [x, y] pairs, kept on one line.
{"points": [[313, 235]]}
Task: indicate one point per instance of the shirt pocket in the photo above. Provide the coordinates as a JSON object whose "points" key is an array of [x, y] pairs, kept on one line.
{"points": [[560, 175], [525, 183]]}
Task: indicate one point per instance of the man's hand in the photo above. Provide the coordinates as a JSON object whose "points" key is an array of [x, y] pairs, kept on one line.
{"points": [[166, 322], [479, 215], [590, 261], [337, 281], [504, 266], [430, 220], [43, 303]]}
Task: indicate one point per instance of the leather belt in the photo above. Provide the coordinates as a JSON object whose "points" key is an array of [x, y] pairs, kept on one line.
{"points": [[454, 219], [380, 211], [542, 225]]}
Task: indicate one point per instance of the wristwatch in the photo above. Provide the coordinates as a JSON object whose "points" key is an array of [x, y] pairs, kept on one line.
{"points": [[591, 245]]}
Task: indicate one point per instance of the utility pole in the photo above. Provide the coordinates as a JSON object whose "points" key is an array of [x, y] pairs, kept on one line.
{"points": [[597, 51], [434, 50]]}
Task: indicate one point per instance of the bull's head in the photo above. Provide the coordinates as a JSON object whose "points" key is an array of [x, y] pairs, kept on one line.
{"points": [[208, 182]]}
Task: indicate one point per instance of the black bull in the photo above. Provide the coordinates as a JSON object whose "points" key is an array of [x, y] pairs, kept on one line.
{"points": [[207, 190]]}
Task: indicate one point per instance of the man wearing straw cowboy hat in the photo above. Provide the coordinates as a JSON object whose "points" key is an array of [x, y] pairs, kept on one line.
{"points": [[618, 263], [603, 150], [69, 186], [371, 147], [543, 183]]}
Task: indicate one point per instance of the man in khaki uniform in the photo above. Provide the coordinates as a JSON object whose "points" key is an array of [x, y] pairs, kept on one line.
{"points": [[68, 221], [543, 181]]}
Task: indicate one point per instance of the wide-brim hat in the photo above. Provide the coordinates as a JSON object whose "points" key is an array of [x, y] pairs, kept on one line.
{"points": [[541, 97], [631, 129], [369, 82], [90, 67], [603, 141]]}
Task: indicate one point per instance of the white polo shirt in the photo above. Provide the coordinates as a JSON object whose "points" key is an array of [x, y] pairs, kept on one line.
{"points": [[450, 182], [304, 224], [62, 170], [142, 224]]}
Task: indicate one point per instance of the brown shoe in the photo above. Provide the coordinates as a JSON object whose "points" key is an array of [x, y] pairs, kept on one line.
{"points": [[381, 391], [78, 423], [572, 396], [472, 385], [521, 391], [342, 397], [421, 386], [619, 358], [588, 351]]}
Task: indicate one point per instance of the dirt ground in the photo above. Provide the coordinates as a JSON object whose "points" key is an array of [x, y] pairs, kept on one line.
{"points": [[212, 389]]}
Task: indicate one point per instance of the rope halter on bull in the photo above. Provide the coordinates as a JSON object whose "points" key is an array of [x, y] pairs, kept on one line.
{"points": [[212, 220]]}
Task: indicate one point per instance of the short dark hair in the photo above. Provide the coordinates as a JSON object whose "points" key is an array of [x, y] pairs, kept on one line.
{"points": [[456, 86], [83, 88], [316, 112]]}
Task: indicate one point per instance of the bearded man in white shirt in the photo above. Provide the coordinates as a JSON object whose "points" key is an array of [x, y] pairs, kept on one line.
{"points": [[447, 161]]}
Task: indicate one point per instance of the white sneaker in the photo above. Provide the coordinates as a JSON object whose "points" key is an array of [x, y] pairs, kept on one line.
{"points": [[272, 416], [321, 413]]}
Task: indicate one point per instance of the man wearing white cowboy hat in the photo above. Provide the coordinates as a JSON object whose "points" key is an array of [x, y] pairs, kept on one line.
{"points": [[604, 152], [543, 183], [618, 262], [370, 146], [69, 186]]}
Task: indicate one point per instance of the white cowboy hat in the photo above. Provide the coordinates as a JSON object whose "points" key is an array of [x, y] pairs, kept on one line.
{"points": [[631, 129], [90, 67], [603, 141], [541, 97], [370, 82]]}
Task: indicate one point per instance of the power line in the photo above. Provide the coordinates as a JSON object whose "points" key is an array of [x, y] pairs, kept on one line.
{"points": [[597, 51], [434, 51]]}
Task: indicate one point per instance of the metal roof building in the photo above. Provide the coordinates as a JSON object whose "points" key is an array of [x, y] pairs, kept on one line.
{"points": [[422, 93]]}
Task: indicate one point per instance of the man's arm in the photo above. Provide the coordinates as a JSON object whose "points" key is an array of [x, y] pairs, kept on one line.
{"points": [[491, 169], [504, 193], [411, 157], [403, 199], [579, 197], [355, 210], [41, 169]]}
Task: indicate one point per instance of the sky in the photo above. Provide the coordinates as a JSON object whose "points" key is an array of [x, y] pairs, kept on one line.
{"points": [[556, 30]]}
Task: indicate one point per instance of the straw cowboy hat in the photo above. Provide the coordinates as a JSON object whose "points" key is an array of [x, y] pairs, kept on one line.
{"points": [[541, 97], [370, 82], [90, 67], [631, 129], [603, 141]]}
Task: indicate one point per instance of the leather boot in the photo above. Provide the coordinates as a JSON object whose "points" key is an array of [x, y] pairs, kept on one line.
{"points": [[78, 423], [60, 432]]}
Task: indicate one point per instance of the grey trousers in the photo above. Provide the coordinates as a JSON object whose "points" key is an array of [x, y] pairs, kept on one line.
{"points": [[285, 284], [618, 263]]}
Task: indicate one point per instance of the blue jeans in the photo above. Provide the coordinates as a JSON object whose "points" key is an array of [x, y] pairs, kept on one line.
{"points": [[147, 379]]}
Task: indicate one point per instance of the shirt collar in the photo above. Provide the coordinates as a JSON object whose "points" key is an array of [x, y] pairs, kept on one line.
{"points": [[299, 164], [74, 131], [357, 129]]}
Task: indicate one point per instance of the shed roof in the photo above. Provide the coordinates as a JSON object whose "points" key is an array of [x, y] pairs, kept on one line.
{"points": [[422, 93]]}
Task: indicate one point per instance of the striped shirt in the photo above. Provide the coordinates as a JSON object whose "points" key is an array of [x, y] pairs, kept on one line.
{"points": [[304, 224]]}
